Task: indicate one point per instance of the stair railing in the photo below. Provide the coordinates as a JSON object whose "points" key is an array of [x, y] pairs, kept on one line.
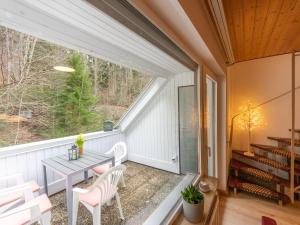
{"points": [[292, 91], [292, 177]]}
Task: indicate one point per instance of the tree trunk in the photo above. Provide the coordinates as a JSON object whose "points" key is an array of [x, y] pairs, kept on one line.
{"points": [[96, 65]]}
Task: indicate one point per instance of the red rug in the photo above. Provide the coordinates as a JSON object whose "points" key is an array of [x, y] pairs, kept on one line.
{"points": [[267, 221]]}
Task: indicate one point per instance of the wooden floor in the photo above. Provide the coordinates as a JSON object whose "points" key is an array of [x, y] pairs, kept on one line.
{"points": [[245, 210]]}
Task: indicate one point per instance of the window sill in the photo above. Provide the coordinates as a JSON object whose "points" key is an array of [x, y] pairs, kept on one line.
{"points": [[171, 205]]}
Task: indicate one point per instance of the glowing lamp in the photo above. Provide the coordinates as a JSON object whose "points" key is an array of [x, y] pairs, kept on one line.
{"points": [[64, 69], [249, 119]]}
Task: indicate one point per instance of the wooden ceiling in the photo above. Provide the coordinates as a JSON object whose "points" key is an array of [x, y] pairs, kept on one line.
{"points": [[261, 28]]}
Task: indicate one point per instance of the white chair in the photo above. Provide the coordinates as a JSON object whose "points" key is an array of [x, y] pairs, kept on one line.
{"points": [[12, 182], [35, 209], [119, 150], [102, 191]]}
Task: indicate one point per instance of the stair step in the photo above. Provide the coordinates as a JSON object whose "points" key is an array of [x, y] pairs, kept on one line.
{"points": [[276, 150], [296, 130], [264, 160], [285, 140], [257, 190], [279, 169], [257, 172]]}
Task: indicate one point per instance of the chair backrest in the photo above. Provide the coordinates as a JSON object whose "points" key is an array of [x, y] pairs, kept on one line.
{"points": [[119, 150], [24, 214], [11, 180], [13, 196], [107, 183]]}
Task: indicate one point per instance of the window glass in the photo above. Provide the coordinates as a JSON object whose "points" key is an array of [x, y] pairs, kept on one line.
{"points": [[39, 102]]}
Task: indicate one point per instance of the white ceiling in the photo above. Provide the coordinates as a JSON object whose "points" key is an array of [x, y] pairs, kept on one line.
{"points": [[80, 26]]}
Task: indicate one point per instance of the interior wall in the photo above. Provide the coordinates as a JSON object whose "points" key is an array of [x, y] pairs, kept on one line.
{"points": [[153, 138], [221, 132], [259, 81]]}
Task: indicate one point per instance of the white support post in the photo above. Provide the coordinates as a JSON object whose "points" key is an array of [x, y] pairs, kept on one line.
{"points": [[292, 184], [235, 191]]}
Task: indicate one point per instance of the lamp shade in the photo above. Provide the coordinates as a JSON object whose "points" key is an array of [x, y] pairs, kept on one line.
{"points": [[64, 69]]}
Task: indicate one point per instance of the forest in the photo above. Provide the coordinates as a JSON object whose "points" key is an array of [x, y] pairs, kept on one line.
{"points": [[38, 103]]}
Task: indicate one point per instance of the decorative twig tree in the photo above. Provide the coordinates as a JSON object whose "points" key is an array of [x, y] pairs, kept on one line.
{"points": [[250, 119]]}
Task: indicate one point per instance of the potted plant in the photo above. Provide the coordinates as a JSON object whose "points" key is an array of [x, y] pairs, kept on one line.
{"points": [[193, 204], [79, 143]]}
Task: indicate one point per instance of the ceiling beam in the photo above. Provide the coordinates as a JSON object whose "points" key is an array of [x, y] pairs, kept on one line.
{"points": [[218, 15], [127, 15]]}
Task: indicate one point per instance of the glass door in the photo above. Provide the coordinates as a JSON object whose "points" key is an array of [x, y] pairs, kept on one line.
{"points": [[188, 129], [211, 123]]}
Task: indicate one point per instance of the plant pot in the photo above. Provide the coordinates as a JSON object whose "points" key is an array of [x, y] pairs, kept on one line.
{"points": [[193, 212], [80, 151]]}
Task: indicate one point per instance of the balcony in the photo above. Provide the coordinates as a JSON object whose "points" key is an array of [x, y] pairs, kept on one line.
{"points": [[150, 128], [146, 187]]}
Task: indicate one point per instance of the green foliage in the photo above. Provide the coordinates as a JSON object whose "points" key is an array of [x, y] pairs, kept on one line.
{"points": [[104, 70], [191, 195], [79, 141], [61, 104], [75, 111]]}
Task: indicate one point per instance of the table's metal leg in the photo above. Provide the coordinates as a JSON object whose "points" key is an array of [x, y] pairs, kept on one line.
{"points": [[45, 180], [86, 176], [69, 194]]}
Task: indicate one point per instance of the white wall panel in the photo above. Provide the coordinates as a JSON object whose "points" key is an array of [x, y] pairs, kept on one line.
{"points": [[153, 137]]}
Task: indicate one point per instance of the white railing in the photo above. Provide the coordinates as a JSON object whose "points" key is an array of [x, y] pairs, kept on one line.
{"points": [[26, 158]]}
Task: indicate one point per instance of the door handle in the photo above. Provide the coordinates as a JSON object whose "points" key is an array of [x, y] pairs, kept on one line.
{"points": [[209, 151]]}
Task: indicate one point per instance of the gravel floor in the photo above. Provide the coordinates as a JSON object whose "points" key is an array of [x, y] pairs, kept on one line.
{"points": [[145, 188]]}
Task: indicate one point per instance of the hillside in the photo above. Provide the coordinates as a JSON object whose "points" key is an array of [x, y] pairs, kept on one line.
{"points": [[31, 90]]}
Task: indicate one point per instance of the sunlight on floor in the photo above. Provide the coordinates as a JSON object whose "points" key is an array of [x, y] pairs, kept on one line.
{"points": [[246, 210]]}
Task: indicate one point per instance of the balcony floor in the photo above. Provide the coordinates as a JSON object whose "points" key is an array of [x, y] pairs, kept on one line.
{"points": [[145, 188]]}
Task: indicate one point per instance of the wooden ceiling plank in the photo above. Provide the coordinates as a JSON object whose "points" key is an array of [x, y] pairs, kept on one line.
{"points": [[293, 40], [270, 23], [240, 26], [243, 28], [274, 27], [261, 28], [262, 10], [280, 31], [231, 26], [250, 15]]}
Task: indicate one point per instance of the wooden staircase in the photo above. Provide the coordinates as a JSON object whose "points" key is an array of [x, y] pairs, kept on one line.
{"points": [[267, 173], [285, 141]]}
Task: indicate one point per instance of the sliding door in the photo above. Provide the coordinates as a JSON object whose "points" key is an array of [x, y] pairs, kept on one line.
{"points": [[188, 135], [211, 122]]}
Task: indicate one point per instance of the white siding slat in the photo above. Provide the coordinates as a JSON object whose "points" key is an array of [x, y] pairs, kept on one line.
{"points": [[152, 138], [2, 172]]}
